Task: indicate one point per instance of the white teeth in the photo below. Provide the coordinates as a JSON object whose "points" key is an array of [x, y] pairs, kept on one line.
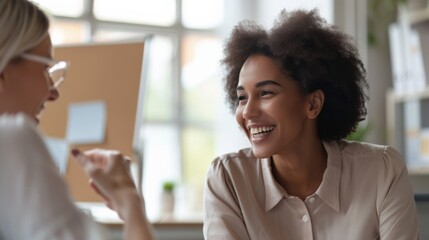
{"points": [[263, 129]]}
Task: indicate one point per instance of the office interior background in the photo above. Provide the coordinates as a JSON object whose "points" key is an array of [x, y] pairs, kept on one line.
{"points": [[186, 121]]}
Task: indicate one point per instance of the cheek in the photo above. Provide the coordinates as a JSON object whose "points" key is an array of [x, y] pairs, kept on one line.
{"points": [[40, 82], [286, 111], [239, 116], [34, 79], [36, 90]]}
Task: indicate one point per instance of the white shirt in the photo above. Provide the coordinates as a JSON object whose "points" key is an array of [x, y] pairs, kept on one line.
{"points": [[365, 194], [34, 200]]}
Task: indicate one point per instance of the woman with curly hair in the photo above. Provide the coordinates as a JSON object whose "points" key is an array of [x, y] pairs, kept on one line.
{"points": [[297, 91]]}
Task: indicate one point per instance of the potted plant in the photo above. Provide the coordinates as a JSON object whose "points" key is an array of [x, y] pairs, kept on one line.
{"points": [[167, 200]]}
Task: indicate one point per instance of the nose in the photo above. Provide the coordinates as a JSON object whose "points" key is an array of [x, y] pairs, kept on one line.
{"points": [[53, 93], [251, 109]]}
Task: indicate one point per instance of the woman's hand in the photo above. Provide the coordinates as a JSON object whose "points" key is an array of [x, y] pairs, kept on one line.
{"points": [[110, 176]]}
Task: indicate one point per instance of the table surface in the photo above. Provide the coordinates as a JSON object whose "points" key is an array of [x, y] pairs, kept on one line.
{"points": [[109, 218]]}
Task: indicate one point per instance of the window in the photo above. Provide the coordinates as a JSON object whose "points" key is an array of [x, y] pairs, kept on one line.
{"points": [[183, 85], [63, 32], [149, 12], [65, 8], [202, 14], [200, 79]]}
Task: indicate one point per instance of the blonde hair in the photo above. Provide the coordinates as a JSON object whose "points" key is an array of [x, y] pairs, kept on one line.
{"points": [[23, 26]]}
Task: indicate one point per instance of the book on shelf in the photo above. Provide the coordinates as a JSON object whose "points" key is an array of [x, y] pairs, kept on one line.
{"points": [[424, 146], [412, 132], [415, 66], [407, 49], [397, 58]]}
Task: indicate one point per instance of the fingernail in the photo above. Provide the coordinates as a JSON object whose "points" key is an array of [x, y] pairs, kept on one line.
{"points": [[75, 152]]}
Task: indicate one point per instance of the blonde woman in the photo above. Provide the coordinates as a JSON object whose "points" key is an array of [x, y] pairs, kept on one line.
{"points": [[34, 202]]}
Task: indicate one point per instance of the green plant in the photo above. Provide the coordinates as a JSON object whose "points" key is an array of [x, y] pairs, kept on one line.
{"points": [[168, 186], [360, 133], [380, 14]]}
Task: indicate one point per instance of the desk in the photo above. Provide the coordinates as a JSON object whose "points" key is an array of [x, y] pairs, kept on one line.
{"points": [[164, 231], [190, 229]]}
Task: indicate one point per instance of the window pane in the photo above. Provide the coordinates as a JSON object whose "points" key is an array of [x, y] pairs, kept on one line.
{"points": [[65, 32], [160, 98], [200, 77], [161, 163], [159, 12], [202, 14], [66, 8], [198, 153]]}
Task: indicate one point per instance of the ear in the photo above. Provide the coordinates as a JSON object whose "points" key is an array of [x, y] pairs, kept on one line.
{"points": [[315, 100]]}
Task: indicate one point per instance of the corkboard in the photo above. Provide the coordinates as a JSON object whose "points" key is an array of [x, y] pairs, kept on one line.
{"points": [[107, 72]]}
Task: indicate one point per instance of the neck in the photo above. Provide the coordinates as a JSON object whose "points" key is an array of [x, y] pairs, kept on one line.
{"points": [[300, 171]]}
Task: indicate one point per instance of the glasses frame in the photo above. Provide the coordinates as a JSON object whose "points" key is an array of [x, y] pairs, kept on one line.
{"points": [[53, 66]]}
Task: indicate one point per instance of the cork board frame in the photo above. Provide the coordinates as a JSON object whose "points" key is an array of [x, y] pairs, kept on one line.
{"points": [[108, 72]]}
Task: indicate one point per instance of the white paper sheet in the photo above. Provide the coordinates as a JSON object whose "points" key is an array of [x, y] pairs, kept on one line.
{"points": [[59, 149], [86, 122]]}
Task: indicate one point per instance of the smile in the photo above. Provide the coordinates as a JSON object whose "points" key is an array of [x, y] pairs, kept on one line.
{"points": [[260, 131]]}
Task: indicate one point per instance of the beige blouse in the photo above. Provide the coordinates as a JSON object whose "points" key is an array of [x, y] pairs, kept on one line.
{"points": [[365, 194]]}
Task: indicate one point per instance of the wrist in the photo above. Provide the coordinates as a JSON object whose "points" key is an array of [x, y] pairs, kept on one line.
{"points": [[126, 202]]}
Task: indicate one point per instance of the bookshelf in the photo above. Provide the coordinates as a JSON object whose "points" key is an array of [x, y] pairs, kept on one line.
{"points": [[418, 16], [407, 104], [407, 119]]}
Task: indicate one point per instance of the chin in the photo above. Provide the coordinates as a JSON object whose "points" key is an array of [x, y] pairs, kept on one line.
{"points": [[36, 119]]}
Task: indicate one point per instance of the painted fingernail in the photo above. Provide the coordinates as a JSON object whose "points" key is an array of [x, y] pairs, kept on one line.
{"points": [[76, 152]]}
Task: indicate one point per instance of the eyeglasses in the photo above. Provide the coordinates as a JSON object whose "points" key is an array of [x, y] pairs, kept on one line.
{"points": [[56, 70]]}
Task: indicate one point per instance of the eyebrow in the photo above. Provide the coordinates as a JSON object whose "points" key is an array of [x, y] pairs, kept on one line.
{"points": [[261, 84]]}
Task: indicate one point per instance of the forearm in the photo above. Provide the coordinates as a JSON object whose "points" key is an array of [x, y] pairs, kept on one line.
{"points": [[131, 209]]}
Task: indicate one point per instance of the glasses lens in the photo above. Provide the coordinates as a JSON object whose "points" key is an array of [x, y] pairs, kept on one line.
{"points": [[58, 72]]}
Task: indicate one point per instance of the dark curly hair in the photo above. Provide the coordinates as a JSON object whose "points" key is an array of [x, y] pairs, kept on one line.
{"points": [[315, 55]]}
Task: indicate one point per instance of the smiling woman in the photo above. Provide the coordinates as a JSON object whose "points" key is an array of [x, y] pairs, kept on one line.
{"points": [[297, 91]]}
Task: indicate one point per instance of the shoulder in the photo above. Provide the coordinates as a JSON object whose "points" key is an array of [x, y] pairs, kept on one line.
{"points": [[235, 166], [17, 126], [380, 156], [20, 140], [240, 159], [360, 148]]}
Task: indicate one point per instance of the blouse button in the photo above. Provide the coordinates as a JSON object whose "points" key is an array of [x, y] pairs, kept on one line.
{"points": [[305, 218], [312, 199]]}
